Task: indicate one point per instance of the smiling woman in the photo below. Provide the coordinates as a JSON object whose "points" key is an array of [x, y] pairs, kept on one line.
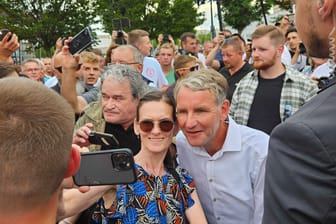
{"points": [[162, 192]]}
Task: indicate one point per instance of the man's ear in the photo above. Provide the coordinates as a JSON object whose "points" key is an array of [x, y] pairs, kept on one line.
{"points": [[74, 161], [281, 49], [139, 68], [225, 109], [326, 8]]}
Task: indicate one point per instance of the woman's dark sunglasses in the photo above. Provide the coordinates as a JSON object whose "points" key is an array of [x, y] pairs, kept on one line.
{"points": [[193, 68], [148, 125]]}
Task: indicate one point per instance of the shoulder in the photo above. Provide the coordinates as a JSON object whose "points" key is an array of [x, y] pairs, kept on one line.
{"points": [[252, 75], [296, 76], [255, 140]]}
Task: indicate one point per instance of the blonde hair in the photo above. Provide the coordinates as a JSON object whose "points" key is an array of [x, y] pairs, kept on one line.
{"points": [[89, 57]]}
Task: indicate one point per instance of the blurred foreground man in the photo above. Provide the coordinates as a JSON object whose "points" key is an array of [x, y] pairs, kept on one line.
{"points": [[36, 126], [300, 185]]}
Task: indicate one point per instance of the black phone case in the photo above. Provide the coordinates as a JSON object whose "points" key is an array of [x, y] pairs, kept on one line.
{"points": [[81, 41], [106, 167], [104, 139]]}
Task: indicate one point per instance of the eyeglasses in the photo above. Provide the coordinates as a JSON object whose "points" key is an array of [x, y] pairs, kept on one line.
{"points": [[33, 70], [191, 69], [194, 68], [164, 125], [123, 63]]}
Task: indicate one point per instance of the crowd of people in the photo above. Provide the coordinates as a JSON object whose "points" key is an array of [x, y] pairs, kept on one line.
{"points": [[235, 131]]}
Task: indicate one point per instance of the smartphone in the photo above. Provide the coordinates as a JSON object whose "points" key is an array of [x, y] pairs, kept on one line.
{"points": [[3, 33], [103, 139], [108, 167], [81, 41]]}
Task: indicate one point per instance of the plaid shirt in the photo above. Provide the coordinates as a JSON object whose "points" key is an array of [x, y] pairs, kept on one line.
{"points": [[297, 89]]}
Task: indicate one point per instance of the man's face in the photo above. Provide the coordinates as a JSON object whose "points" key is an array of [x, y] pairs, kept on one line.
{"points": [[145, 46], [32, 70], [47, 65], [189, 45], [198, 116], [293, 40], [166, 56], [231, 57], [119, 106], [125, 56], [312, 30], [264, 53], [207, 47], [91, 72]]}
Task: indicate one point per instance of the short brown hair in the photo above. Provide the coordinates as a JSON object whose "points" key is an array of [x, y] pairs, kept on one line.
{"points": [[234, 42], [36, 127], [134, 36], [6, 69], [185, 35], [274, 33], [182, 60]]}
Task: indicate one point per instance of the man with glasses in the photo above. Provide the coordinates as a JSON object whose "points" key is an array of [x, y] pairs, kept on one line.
{"points": [[151, 70], [272, 92], [235, 67], [32, 69], [300, 181]]}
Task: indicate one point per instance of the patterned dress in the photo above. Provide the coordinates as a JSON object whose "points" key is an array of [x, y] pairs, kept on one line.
{"points": [[152, 199]]}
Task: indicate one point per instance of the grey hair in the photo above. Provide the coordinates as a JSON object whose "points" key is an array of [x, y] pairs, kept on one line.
{"points": [[122, 73], [137, 56], [35, 60], [205, 79]]}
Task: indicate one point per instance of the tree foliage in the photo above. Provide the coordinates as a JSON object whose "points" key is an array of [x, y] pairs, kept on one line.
{"points": [[155, 16], [43, 21], [239, 14]]}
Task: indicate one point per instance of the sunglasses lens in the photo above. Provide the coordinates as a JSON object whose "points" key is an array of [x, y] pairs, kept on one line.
{"points": [[194, 68], [146, 126], [166, 126]]}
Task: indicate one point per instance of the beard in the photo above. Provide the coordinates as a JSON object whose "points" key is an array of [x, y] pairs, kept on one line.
{"points": [[264, 64]]}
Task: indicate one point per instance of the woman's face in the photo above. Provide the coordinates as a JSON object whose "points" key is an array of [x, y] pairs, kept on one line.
{"points": [[158, 137]]}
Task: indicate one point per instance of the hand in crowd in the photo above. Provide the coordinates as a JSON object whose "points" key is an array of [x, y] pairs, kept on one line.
{"points": [[70, 63], [58, 45], [8, 45], [218, 40], [82, 135], [115, 35]]}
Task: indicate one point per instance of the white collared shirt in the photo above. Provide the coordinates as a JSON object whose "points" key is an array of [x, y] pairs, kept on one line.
{"points": [[230, 183]]}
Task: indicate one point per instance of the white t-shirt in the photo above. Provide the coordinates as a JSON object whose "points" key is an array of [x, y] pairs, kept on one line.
{"points": [[152, 71]]}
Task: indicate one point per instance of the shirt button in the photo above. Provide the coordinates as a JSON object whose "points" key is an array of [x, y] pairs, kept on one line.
{"points": [[214, 199], [210, 180], [218, 218]]}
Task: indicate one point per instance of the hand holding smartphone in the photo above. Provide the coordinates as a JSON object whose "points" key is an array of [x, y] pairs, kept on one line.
{"points": [[103, 139], [3, 33], [81, 41], [106, 167]]}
